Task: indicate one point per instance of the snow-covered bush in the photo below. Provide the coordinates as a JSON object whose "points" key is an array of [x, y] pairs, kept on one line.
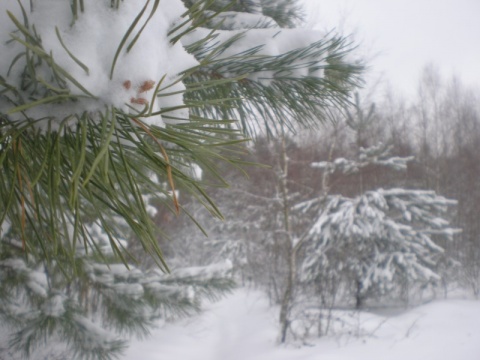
{"points": [[379, 238]]}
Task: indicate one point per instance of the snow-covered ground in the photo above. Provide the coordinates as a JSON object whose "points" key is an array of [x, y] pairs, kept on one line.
{"points": [[242, 326]]}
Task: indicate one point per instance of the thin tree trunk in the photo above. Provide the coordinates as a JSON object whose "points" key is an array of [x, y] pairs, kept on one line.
{"points": [[291, 254]]}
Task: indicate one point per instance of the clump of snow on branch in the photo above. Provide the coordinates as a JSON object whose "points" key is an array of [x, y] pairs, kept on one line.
{"points": [[93, 39]]}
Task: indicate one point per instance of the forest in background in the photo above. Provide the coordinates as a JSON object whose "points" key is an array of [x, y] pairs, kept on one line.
{"points": [[427, 144]]}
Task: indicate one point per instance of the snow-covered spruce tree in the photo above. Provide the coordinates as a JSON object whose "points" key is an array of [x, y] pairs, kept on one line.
{"points": [[379, 238], [104, 104]]}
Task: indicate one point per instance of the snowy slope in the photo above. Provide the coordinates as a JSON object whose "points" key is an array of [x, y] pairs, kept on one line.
{"points": [[243, 326]]}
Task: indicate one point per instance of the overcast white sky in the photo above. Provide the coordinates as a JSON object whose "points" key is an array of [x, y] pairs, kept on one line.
{"points": [[404, 35]]}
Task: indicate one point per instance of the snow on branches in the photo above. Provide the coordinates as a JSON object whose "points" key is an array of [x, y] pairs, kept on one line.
{"points": [[378, 235]]}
